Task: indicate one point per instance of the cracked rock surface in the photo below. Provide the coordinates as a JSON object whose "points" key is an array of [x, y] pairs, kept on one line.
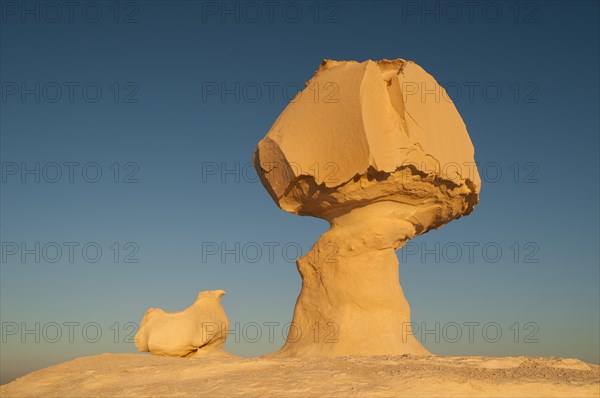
{"points": [[379, 150]]}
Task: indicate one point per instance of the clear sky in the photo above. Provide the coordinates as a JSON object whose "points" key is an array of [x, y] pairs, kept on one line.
{"points": [[126, 138]]}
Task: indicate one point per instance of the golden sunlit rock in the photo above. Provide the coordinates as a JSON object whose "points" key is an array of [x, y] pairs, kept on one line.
{"points": [[373, 160]]}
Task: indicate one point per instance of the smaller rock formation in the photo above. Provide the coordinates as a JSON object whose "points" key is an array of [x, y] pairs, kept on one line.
{"points": [[199, 330]]}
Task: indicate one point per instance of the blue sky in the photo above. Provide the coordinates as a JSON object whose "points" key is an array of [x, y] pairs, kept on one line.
{"points": [[140, 121]]}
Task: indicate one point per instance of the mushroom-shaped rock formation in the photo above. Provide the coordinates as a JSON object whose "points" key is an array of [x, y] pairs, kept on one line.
{"points": [[199, 330], [382, 157]]}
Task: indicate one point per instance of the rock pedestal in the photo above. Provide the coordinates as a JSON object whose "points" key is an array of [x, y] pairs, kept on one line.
{"points": [[382, 162]]}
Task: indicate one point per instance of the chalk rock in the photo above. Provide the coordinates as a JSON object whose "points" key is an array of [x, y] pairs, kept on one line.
{"points": [[379, 150], [199, 330]]}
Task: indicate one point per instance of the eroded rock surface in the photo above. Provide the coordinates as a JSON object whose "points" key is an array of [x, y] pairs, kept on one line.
{"points": [[382, 161], [134, 375], [199, 330]]}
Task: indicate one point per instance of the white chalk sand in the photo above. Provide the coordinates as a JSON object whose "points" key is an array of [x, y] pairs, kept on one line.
{"points": [[143, 375]]}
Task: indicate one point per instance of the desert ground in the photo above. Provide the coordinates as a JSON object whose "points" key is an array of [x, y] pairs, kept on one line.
{"points": [[142, 375]]}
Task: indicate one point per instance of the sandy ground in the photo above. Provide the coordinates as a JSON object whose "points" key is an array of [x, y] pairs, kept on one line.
{"points": [[136, 375]]}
